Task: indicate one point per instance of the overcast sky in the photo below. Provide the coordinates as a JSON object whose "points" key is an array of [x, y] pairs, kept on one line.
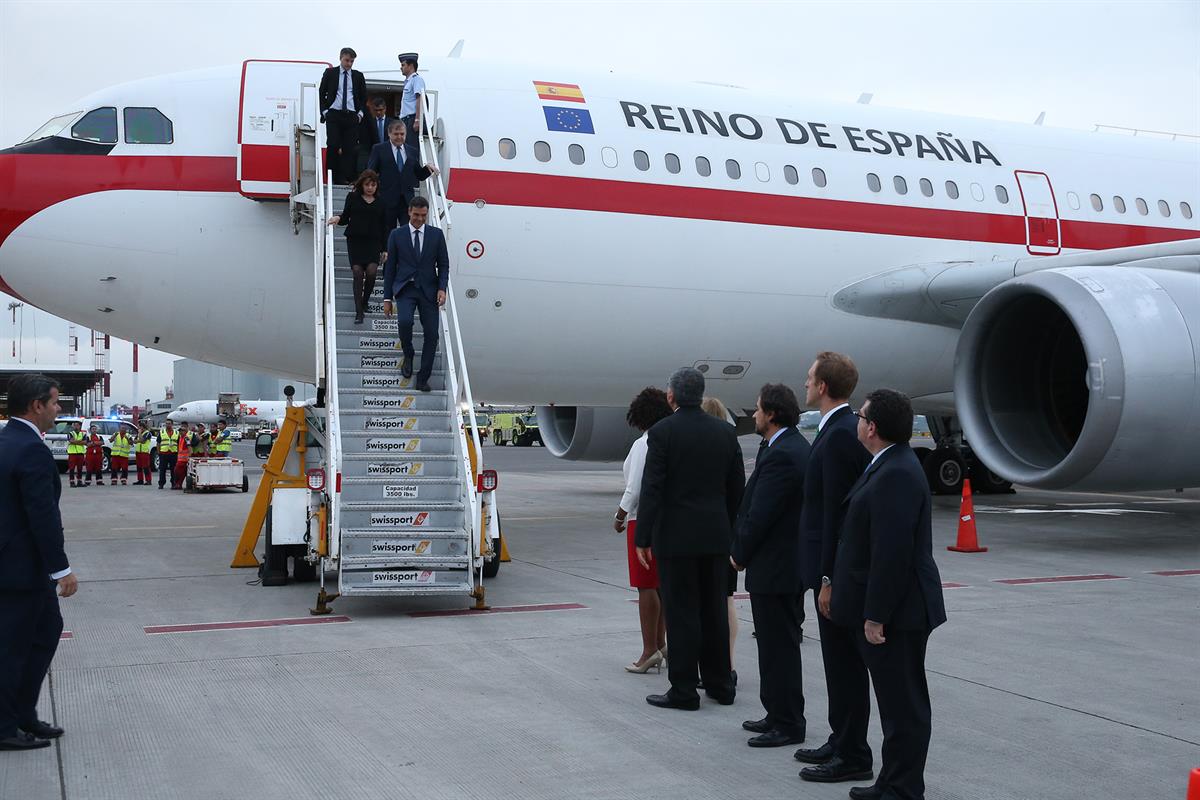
{"points": [[1135, 64]]}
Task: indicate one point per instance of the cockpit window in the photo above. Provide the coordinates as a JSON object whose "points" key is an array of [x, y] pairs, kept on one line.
{"points": [[98, 125], [147, 126], [53, 127]]}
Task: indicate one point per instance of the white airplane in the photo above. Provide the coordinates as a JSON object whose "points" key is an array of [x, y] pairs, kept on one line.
{"points": [[250, 412], [1038, 286]]}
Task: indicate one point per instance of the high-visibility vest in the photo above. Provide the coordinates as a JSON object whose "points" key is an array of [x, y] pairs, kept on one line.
{"points": [[119, 446], [168, 442], [223, 445], [142, 445], [184, 450], [76, 443]]}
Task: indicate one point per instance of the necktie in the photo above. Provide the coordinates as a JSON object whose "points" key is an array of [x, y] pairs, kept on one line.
{"points": [[380, 124], [417, 243], [345, 89]]}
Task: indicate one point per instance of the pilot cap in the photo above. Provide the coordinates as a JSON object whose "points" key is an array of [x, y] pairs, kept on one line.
{"points": [[407, 57]]}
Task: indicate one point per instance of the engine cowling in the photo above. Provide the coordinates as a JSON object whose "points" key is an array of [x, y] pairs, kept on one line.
{"points": [[1085, 377], [581, 433]]}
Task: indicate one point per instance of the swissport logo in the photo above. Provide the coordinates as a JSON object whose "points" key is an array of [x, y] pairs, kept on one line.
{"points": [[400, 491], [384, 547], [390, 424], [407, 519], [388, 402], [393, 445], [379, 362], [407, 468], [383, 382], [365, 343], [401, 577]]}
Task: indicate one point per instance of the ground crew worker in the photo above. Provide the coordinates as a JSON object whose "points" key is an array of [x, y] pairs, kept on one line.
{"points": [[145, 441], [118, 456], [168, 449], [76, 449], [95, 456], [222, 444], [181, 458], [201, 446]]}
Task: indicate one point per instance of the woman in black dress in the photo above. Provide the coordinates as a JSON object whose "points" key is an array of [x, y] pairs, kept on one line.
{"points": [[366, 237]]}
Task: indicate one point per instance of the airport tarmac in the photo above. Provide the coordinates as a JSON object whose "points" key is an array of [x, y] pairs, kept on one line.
{"points": [[1081, 686]]}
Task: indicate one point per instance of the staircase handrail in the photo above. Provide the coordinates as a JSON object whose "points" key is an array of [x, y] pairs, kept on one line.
{"points": [[326, 290]]}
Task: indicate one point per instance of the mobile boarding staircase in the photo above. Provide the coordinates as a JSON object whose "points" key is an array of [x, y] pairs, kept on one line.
{"points": [[407, 509]]}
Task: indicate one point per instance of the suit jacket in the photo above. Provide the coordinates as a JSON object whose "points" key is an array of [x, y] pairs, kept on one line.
{"points": [[431, 271], [767, 532], [837, 461], [692, 485], [329, 89], [31, 535], [396, 184], [368, 137], [884, 569]]}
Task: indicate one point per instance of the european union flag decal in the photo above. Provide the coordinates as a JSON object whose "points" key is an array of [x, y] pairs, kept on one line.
{"points": [[571, 120]]}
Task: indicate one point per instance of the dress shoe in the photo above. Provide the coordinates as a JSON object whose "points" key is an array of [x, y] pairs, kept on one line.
{"points": [[723, 699], [776, 738], [43, 730], [817, 755], [758, 725], [866, 792], [653, 661], [423, 386], [667, 701], [406, 368], [358, 319], [836, 770], [22, 741]]}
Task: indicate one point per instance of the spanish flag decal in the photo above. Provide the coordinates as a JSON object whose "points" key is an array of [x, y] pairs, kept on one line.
{"points": [[560, 92]]}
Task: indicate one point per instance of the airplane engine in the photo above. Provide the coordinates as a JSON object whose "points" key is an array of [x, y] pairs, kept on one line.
{"points": [[581, 433], [1085, 377]]}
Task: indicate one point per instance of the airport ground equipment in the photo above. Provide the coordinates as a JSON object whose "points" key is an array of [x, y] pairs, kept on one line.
{"points": [[518, 429], [215, 473], [395, 500]]}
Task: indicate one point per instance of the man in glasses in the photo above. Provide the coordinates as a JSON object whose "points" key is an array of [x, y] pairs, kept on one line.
{"points": [[887, 587]]}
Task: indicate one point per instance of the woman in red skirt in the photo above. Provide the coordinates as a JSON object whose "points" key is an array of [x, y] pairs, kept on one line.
{"points": [[647, 408], [95, 457]]}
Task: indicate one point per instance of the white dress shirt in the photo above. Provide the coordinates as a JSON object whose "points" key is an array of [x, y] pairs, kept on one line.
{"points": [[775, 436], [53, 575], [337, 98], [635, 463], [399, 155], [877, 455], [825, 417]]}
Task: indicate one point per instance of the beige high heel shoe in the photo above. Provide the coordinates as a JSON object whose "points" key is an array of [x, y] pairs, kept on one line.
{"points": [[654, 661]]}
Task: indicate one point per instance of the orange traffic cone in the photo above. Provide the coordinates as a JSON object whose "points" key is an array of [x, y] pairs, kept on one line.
{"points": [[1194, 785], [968, 539]]}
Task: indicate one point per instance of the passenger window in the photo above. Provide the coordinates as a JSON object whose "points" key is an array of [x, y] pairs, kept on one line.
{"points": [[873, 182], [474, 146], [1142, 208], [641, 160], [1073, 200], [575, 153], [900, 184], [733, 169], [1186, 210], [541, 151], [609, 157], [147, 126], [818, 176], [1119, 203], [951, 189], [791, 175], [1097, 203], [762, 172], [926, 187], [977, 192], [1163, 208], [99, 125], [703, 167], [672, 162], [508, 149], [1001, 194]]}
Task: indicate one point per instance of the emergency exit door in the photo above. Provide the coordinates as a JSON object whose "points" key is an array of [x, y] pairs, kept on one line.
{"points": [[1043, 231], [275, 97]]}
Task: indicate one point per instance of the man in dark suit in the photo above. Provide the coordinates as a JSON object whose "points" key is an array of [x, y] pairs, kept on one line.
{"points": [[343, 101], [32, 561], [415, 276], [887, 587], [400, 173], [838, 460], [767, 545], [692, 486], [373, 129]]}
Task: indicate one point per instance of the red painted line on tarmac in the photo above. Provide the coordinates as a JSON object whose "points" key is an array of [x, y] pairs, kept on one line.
{"points": [[949, 585], [66, 635], [465, 612], [1060, 579], [153, 630], [1175, 573]]}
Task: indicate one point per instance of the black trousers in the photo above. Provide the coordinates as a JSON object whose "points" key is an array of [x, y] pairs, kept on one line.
{"points": [[897, 669], [30, 626], [693, 590], [849, 688], [341, 136], [166, 467], [396, 214], [777, 619], [412, 299]]}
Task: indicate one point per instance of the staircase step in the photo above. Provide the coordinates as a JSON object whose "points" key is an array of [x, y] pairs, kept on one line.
{"points": [[386, 490], [405, 422], [371, 360], [399, 467], [375, 322], [401, 517], [432, 543], [407, 583], [385, 400], [406, 561], [363, 338], [399, 442], [356, 378]]}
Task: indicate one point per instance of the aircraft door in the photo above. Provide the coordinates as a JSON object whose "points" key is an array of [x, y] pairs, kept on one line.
{"points": [[1042, 228], [275, 97]]}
